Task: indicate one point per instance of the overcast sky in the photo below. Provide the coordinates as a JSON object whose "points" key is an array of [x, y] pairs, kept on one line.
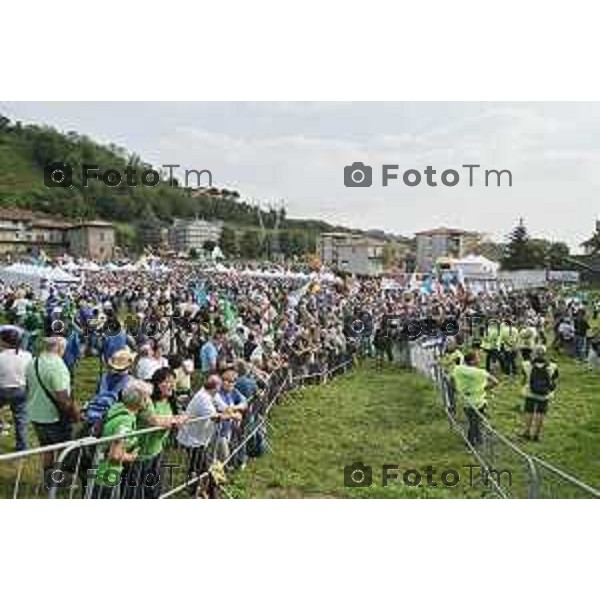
{"points": [[297, 151]]}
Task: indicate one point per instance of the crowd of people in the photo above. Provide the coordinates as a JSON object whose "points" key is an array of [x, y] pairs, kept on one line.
{"points": [[190, 354], [514, 342], [182, 351]]}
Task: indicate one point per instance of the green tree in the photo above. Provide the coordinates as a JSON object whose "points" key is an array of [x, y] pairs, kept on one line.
{"points": [[593, 244], [227, 241], [519, 252], [558, 256], [250, 245]]}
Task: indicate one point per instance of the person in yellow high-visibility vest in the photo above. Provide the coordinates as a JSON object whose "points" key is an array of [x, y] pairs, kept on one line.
{"points": [[540, 376], [490, 344], [509, 340], [528, 336], [471, 384], [452, 357]]}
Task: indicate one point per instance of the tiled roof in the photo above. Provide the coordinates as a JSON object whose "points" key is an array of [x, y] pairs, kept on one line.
{"points": [[446, 231], [33, 219], [96, 223]]}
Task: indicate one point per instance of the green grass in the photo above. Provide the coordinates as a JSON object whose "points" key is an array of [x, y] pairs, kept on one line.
{"points": [[377, 418], [571, 436], [393, 417]]}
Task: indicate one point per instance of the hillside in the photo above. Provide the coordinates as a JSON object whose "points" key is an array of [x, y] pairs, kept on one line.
{"points": [[26, 149]]}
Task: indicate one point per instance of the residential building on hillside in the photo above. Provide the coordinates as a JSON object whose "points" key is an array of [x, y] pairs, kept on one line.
{"points": [[92, 239], [351, 253], [185, 235], [444, 242], [26, 232]]}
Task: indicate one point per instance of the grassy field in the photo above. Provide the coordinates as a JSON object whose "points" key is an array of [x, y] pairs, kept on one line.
{"points": [[571, 437], [388, 417], [394, 417]]}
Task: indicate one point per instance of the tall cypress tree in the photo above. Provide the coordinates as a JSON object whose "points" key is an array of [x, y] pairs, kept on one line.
{"points": [[518, 253]]}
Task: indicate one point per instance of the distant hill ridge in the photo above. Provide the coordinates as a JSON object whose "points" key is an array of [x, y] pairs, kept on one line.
{"points": [[26, 149]]}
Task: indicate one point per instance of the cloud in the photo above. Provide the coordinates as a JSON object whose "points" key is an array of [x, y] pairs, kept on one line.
{"points": [[297, 151]]}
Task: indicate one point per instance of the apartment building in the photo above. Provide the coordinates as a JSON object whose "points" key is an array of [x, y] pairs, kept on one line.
{"points": [[185, 235], [444, 242], [351, 253]]}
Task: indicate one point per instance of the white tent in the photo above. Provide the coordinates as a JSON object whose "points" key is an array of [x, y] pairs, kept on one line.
{"points": [[129, 267], [476, 267], [217, 254], [70, 266], [89, 265], [34, 274], [58, 275]]}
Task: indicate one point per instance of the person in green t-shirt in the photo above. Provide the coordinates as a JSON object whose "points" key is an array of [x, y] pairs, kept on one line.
{"points": [[452, 357], [471, 383], [50, 406], [112, 457], [146, 478]]}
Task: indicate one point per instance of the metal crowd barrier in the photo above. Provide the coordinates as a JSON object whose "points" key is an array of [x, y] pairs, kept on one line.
{"points": [[22, 473], [497, 455]]}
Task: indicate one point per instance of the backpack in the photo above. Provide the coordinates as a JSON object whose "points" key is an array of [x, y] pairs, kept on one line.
{"points": [[540, 381], [98, 406]]}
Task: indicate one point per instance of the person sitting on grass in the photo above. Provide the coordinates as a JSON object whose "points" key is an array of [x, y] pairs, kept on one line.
{"points": [[540, 377]]}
